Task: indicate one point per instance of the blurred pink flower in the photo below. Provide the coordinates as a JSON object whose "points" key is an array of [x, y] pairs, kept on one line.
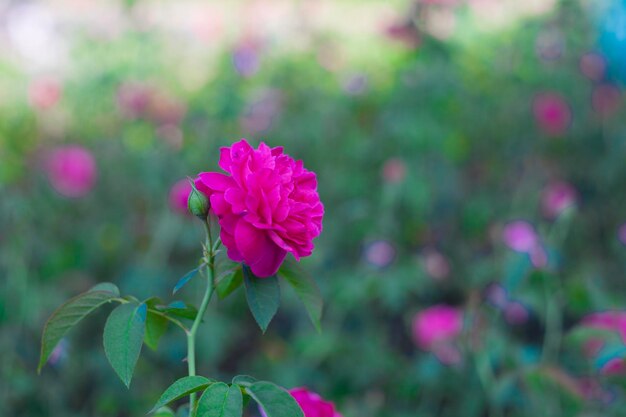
{"points": [[133, 99], [437, 326], [615, 366], [520, 236], [613, 320], [247, 58], [435, 264], [44, 93], [394, 170], [621, 234], [556, 197], [178, 196], [267, 205], [552, 114], [71, 170], [312, 404], [550, 44], [516, 313], [606, 99], [405, 33], [496, 295], [593, 66], [164, 109], [380, 253], [261, 111]]}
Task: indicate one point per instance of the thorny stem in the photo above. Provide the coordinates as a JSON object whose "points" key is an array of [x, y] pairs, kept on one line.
{"points": [[209, 255]]}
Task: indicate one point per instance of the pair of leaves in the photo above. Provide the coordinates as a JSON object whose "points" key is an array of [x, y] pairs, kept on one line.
{"points": [[221, 400], [263, 294], [123, 332]]}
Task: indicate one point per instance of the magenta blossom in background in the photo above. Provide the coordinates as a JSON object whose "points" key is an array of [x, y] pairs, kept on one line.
{"points": [[552, 114], [613, 320], [71, 171], [178, 196], [437, 325], [520, 236], [267, 205], [557, 197]]}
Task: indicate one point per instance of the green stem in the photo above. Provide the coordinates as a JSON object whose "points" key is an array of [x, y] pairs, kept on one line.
{"points": [[191, 335]]}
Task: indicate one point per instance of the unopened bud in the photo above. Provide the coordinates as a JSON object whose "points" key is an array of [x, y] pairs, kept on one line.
{"points": [[198, 203]]}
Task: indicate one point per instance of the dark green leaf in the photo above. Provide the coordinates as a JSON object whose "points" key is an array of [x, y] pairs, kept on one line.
{"points": [[70, 313], [185, 279], [263, 295], [156, 325], [181, 388], [276, 402], [229, 282], [180, 309], [220, 401], [306, 289], [123, 337]]}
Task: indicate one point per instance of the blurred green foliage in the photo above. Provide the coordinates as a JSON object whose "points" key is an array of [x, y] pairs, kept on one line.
{"points": [[455, 116]]}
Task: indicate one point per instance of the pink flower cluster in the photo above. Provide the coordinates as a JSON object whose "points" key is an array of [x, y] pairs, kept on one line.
{"points": [[267, 205]]}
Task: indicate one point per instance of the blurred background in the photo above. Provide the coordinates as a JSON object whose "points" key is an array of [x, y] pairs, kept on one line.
{"points": [[471, 155]]}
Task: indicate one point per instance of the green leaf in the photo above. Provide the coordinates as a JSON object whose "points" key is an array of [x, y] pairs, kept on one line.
{"points": [[181, 388], [180, 309], [220, 401], [276, 402], [229, 282], [306, 289], [123, 337], [156, 325], [263, 295], [185, 279], [244, 380], [164, 412], [70, 313]]}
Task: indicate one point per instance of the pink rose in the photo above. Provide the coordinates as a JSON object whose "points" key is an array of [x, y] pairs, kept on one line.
{"points": [[179, 194], [267, 206], [436, 325], [552, 114], [312, 404], [71, 171]]}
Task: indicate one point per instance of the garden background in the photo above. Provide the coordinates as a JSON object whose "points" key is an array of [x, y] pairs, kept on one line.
{"points": [[469, 153]]}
